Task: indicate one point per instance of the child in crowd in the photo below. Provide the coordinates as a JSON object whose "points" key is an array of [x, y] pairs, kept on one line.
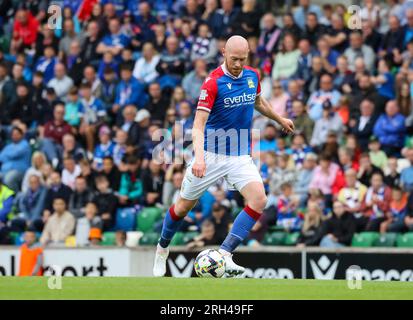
{"points": [[378, 157], [73, 108], [104, 149], [287, 209]]}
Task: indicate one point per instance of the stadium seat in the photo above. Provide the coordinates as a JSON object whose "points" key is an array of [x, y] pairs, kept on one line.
{"points": [[364, 239], [188, 236], [178, 239], [70, 241], [109, 239], [291, 239], [13, 237], [274, 238], [149, 239], [405, 240], [147, 218], [386, 240], [126, 219]]}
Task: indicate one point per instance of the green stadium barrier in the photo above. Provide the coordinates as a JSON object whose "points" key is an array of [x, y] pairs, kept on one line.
{"points": [[364, 239], [386, 240], [405, 240]]}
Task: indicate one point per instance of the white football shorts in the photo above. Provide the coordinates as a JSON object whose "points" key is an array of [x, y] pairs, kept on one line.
{"points": [[238, 171]]}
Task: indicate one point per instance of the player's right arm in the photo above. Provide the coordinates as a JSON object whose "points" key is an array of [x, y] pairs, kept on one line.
{"points": [[205, 104], [199, 166]]}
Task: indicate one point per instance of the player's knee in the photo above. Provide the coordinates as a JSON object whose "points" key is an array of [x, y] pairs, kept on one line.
{"points": [[182, 207], [259, 203]]}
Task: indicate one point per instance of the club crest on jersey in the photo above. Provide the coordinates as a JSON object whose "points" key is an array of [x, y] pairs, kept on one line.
{"points": [[250, 83], [229, 85]]}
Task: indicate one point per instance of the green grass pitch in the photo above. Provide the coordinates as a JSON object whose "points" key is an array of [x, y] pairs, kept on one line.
{"points": [[198, 289]]}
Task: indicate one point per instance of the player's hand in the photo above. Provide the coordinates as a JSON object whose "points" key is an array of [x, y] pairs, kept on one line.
{"points": [[199, 169], [287, 125]]}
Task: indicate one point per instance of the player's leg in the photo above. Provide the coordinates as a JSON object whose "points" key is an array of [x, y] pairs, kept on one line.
{"points": [[171, 224], [191, 190], [247, 180]]}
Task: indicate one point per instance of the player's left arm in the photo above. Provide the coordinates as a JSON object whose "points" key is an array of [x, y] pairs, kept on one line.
{"points": [[265, 108]]}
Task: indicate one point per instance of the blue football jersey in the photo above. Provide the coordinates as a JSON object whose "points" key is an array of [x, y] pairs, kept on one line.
{"points": [[230, 101]]}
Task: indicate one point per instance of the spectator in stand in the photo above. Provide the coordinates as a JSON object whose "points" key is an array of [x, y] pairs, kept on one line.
{"points": [[56, 190], [105, 148], [15, 159], [80, 196], [7, 197], [286, 61], [207, 237], [328, 55], [384, 81], [31, 205], [153, 180], [305, 7], [145, 22], [106, 202], [131, 188], [329, 122], [376, 205], [120, 238], [279, 99], [302, 121], [86, 223], [128, 92], [398, 209], [61, 83], [378, 157], [313, 29], [171, 66], [24, 31], [115, 41], [287, 206], [69, 37], [70, 172], [304, 176], [282, 174], [193, 81], [158, 103], [337, 35], [358, 49], [319, 97], [59, 225], [311, 226], [145, 66], [392, 175], [406, 176], [204, 46], [352, 195], [270, 37], [172, 184], [223, 22], [390, 129], [324, 176], [38, 160], [337, 231], [289, 26], [362, 126], [89, 49]]}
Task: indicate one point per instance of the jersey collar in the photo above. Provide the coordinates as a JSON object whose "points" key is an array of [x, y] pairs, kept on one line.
{"points": [[227, 73]]}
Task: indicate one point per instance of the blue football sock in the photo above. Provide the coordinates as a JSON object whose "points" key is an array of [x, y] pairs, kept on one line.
{"points": [[170, 226], [243, 223]]}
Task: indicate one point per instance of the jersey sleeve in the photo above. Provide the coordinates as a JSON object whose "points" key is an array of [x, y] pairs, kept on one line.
{"points": [[259, 83], [207, 95]]}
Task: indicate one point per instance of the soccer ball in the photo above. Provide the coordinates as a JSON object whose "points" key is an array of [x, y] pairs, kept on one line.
{"points": [[209, 264]]}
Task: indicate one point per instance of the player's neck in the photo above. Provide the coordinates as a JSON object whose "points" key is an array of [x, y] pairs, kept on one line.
{"points": [[228, 73]]}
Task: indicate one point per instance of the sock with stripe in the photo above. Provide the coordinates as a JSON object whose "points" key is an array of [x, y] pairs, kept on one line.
{"points": [[243, 223], [171, 225]]}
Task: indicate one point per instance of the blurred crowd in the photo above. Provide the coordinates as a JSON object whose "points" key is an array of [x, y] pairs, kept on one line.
{"points": [[86, 87]]}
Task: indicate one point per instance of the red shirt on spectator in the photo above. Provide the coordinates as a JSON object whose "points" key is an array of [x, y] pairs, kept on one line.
{"points": [[55, 130], [26, 32]]}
